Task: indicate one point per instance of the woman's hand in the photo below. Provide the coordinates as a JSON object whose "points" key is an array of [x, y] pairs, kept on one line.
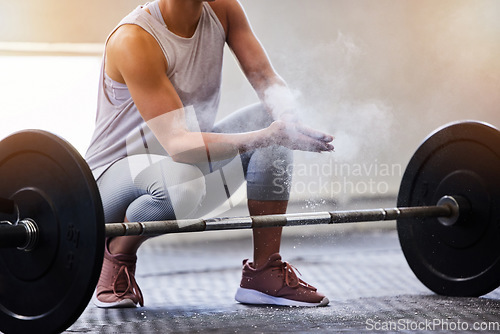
{"points": [[296, 136]]}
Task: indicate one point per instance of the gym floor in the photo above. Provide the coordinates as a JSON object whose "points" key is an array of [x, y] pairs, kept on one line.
{"points": [[189, 281]]}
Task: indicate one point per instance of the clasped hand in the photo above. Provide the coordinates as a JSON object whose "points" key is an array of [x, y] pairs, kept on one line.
{"points": [[296, 136]]}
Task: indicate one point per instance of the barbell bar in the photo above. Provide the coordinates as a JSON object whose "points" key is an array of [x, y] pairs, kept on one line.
{"points": [[24, 235], [447, 210], [295, 219], [52, 226]]}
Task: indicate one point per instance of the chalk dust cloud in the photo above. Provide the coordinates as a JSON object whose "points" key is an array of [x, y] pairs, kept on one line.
{"points": [[380, 75]]}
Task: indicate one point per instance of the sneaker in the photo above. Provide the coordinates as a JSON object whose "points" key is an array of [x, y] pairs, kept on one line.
{"points": [[117, 286], [276, 283]]}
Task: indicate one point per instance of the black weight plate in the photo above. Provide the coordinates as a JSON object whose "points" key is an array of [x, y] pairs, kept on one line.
{"points": [[462, 159], [46, 290]]}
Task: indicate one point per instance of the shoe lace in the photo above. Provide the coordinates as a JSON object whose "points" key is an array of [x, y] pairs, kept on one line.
{"points": [[132, 286], [291, 278]]}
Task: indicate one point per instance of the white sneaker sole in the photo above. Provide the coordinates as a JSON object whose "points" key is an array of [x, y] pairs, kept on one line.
{"points": [[254, 297], [125, 303]]}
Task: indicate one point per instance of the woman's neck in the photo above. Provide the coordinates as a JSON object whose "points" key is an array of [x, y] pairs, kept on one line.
{"points": [[181, 16]]}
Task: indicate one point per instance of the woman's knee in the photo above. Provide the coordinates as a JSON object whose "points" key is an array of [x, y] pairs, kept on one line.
{"points": [[186, 197], [178, 189], [173, 202]]}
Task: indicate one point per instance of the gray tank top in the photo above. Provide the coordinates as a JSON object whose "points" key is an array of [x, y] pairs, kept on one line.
{"points": [[195, 70]]}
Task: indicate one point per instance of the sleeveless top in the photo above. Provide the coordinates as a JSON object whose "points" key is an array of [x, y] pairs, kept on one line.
{"points": [[195, 70]]}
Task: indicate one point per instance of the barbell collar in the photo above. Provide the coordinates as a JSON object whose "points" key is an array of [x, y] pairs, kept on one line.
{"points": [[459, 205], [32, 233], [23, 235]]}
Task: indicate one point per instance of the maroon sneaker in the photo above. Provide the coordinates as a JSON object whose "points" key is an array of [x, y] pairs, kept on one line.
{"points": [[276, 283], [117, 286]]}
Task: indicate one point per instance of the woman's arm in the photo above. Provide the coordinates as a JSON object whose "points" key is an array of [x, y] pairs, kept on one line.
{"points": [[270, 87], [135, 58]]}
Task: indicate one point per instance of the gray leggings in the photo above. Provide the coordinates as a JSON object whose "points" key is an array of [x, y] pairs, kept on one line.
{"points": [[147, 187]]}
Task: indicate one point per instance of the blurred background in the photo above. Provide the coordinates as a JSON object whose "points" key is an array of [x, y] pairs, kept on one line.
{"points": [[379, 75]]}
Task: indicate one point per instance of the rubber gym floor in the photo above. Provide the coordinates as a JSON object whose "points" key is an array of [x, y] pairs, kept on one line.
{"points": [[189, 281]]}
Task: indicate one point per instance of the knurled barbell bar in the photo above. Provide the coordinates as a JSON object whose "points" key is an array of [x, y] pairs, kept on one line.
{"points": [[447, 208], [24, 234], [52, 227]]}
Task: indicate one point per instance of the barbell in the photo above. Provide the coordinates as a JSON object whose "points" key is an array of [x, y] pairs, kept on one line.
{"points": [[52, 226]]}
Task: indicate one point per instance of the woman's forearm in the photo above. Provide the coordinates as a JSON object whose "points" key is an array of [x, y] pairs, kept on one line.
{"points": [[195, 147], [192, 147]]}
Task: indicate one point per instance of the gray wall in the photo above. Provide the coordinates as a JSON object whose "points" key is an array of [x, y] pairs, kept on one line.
{"points": [[379, 75]]}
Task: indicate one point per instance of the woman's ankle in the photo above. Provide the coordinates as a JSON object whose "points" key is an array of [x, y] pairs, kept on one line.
{"points": [[125, 245]]}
